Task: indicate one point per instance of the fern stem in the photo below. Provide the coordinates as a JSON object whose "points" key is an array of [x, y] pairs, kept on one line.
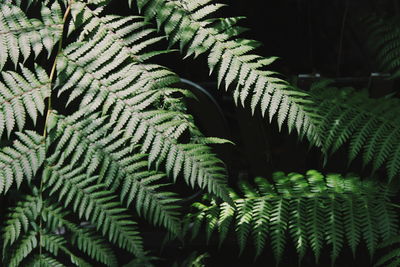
{"points": [[49, 107], [53, 68]]}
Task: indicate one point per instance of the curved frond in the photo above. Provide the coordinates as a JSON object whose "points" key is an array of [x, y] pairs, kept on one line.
{"points": [[18, 220], [44, 260], [23, 248], [392, 258], [383, 41], [128, 101], [188, 23]]}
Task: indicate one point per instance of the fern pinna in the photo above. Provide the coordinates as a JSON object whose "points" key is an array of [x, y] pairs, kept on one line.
{"points": [[313, 210]]}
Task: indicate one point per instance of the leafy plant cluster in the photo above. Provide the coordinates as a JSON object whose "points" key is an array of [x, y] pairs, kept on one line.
{"points": [[313, 210], [95, 136]]}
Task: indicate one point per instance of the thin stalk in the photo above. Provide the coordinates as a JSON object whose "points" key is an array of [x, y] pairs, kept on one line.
{"points": [[339, 59], [49, 108]]}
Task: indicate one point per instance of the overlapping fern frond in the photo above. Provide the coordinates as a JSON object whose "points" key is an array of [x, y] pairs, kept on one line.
{"points": [[93, 148], [131, 94], [371, 126], [33, 225], [313, 210], [187, 22], [93, 161]]}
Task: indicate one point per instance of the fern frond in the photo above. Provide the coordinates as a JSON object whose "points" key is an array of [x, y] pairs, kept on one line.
{"points": [[188, 24], [92, 144], [124, 98], [23, 248], [369, 125], [94, 202], [55, 243], [84, 239], [244, 218], [35, 223], [20, 35], [298, 226], [21, 95], [315, 210], [383, 42], [19, 218], [21, 160], [130, 33]]}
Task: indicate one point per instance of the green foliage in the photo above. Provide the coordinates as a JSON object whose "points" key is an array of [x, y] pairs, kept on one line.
{"points": [[33, 224], [22, 160], [313, 210], [20, 35], [383, 41], [109, 134], [193, 26], [369, 125], [21, 94], [392, 258], [119, 148]]}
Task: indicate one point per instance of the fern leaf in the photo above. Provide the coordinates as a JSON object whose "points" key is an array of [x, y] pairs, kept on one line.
{"points": [[231, 57], [335, 227], [262, 216], [19, 219], [55, 243], [84, 239], [92, 143], [316, 210], [20, 35], [23, 248], [355, 118], [22, 160], [128, 110], [243, 225], [224, 221], [95, 203], [21, 95], [392, 258], [44, 260], [352, 222], [298, 226]]}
